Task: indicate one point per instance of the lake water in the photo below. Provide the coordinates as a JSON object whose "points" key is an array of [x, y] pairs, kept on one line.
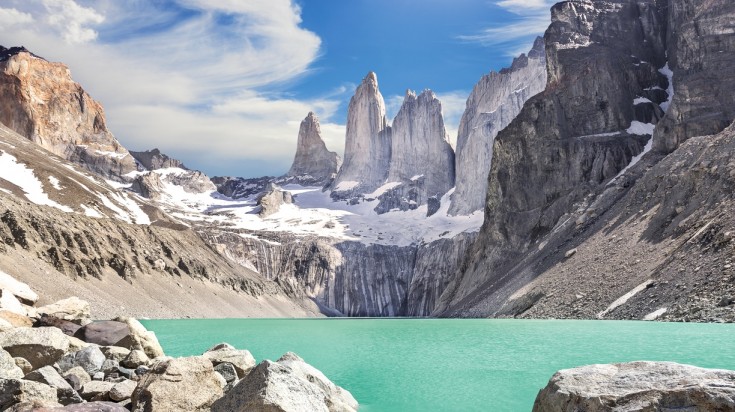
{"points": [[452, 365]]}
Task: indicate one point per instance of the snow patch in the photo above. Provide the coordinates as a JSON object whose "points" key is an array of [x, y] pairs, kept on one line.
{"points": [[91, 212], [639, 128], [118, 185], [666, 71], [346, 185], [115, 155], [382, 189], [655, 314], [621, 300], [54, 182], [417, 177], [23, 177], [640, 100]]}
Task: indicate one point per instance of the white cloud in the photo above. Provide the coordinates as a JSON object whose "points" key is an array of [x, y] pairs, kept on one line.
{"points": [[533, 19], [195, 85], [72, 20], [13, 17]]}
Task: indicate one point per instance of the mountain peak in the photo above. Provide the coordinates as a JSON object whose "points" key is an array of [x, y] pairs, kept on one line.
{"points": [[6, 53]]}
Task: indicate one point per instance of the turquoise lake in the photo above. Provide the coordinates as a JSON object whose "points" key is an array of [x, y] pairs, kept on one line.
{"points": [[452, 364]]}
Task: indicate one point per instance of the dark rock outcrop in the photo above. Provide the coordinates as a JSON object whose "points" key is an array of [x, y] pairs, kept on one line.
{"points": [[701, 54], [580, 132]]}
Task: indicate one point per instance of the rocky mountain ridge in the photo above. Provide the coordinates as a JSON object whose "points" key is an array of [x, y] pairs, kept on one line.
{"points": [[40, 100], [560, 188]]}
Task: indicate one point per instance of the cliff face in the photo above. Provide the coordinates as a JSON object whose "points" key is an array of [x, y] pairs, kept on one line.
{"points": [[39, 100], [701, 54], [367, 141], [422, 160], [494, 102], [350, 278], [549, 191], [313, 163]]}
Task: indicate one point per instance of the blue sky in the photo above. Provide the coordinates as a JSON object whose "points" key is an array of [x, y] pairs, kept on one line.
{"points": [[224, 84]]}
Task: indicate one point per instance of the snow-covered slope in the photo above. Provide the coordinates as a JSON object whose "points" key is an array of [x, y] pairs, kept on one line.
{"points": [[31, 172]]}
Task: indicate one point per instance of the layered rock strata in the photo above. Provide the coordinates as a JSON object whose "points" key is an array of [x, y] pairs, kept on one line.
{"points": [[39, 100], [313, 164]]}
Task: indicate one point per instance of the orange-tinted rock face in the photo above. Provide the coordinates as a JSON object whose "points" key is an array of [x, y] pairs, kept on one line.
{"points": [[39, 100]]}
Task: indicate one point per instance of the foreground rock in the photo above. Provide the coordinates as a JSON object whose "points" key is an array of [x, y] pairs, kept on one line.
{"points": [[70, 309], [39, 346], [185, 384], [290, 384], [638, 386], [123, 332]]}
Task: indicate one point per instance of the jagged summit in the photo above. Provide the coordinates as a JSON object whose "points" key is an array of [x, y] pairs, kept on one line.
{"points": [[313, 163], [6, 53], [154, 159], [367, 141], [40, 101]]}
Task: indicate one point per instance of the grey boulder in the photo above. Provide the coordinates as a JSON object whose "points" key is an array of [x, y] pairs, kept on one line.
{"points": [[15, 391], [39, 346], [185, 384], [242, 360], [90, 359], [290, 384], [638, 386]]}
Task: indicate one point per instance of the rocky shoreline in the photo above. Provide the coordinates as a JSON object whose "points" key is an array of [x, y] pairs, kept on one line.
{"points": [[56, 358]]}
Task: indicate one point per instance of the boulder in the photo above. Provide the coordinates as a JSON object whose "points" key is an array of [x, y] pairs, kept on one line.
{"points": [[638, 386], [227, 371], [115, 352], [242, 360], [135, 358], [22, 291], [124, 332], [94, 390], [9, 302], [186, 384], [103, 333], [14, 391], [141, 338], [68, 327], [23, 364], [8, 368], [98, 406], [5, 325], [123, 390], [90, 359], [77, 377], [76, 344], [15, 319], [110, 366], [290, 384], [64, 392], [72, 309], [39, 346]]}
